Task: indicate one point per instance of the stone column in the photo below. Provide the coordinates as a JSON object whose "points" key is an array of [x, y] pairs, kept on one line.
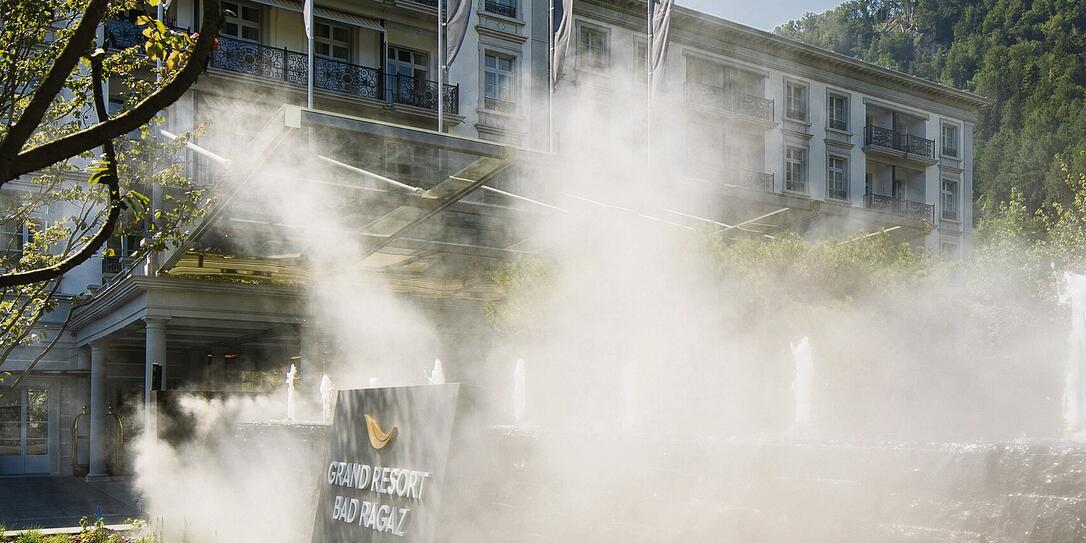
{"points": [[99, 428], [310, 365], [155, 349], [217, 370]]}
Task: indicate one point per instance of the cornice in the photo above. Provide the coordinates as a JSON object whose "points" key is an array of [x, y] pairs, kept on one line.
{"points": [[729, 38], [116, 294], [494, 33]]}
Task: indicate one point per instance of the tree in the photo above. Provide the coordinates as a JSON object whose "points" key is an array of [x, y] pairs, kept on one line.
{"points": [[53, 115]]}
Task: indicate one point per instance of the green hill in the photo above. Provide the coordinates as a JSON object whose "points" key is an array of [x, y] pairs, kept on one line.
{"points": [[1029, 56]]}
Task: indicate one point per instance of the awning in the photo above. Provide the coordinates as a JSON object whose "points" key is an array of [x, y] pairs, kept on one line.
{"points": [[330, 14], [408, 201]]}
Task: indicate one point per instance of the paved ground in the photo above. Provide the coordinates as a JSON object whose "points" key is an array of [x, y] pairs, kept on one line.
{"points": [[54, 502]]}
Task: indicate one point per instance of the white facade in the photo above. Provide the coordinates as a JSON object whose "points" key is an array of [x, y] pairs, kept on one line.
{"points": [[761, 102], [807, 128]]}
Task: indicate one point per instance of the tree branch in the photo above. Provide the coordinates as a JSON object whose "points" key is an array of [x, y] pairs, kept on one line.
{"points": [[81, 39], [112, 183], [49, 153]]}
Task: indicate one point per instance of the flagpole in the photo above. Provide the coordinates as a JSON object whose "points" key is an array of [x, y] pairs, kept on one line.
{"points": [[550, 77], [648, 93], [440, 67], [312, 66]]}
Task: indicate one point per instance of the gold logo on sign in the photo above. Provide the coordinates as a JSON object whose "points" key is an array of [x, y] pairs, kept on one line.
{"points": [[378, 437]]}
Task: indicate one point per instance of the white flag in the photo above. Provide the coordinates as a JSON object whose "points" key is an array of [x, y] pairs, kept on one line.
{"points": [[307, 15], [458, 16], [563, 31], [661, 24]]}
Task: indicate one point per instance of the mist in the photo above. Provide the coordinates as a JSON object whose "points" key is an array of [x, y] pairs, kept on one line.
{"points": [[660, 386]]}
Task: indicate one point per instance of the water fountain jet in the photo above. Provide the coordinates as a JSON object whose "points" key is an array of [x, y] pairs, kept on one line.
{"points": [[291, 377], [328, 396], [802, 378], [1074, 294], [519, 393], [437, 375]]}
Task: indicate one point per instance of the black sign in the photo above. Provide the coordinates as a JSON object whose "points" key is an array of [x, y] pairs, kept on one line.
{"points": [[386, 465]]}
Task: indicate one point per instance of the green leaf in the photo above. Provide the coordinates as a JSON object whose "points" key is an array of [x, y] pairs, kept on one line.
{"points": [[102, 176]]}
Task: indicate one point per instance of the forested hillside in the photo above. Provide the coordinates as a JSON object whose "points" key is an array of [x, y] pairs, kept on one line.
{"points": [[1029, 56]]}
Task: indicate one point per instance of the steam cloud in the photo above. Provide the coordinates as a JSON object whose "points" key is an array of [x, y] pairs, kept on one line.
{"points": [[641, 349]]}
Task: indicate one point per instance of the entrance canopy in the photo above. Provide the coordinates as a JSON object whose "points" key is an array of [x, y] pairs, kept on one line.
{"points": [[414, 200], [426, 207]]}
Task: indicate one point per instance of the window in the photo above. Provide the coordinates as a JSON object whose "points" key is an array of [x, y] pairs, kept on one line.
{"points": [[331, 41], [795, 169], [795, 101], [594, 51], [244, 24], [950, 140], [949, 249], [499, 90], [837, 177], [125, 244], [641, 67], [838, 112], [408, 63], [507, 8], [13, 236], [950, 199]]}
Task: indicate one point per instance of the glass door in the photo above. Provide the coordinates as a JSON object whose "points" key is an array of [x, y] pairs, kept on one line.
{"points": [[24, 432]]}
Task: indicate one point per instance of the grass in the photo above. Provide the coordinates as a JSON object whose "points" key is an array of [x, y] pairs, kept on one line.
{"points": [[89, 533], [36, 536]]}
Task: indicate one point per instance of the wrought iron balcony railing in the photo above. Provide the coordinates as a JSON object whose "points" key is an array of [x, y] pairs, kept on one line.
{"points": [[507, 8], [903, 207], [402, 89], [291, 67], [334, 75], [746, 104], [908, 143], [111, 264], [758, 181], [123, 33]]}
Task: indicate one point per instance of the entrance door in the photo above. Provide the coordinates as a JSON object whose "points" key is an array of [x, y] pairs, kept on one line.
{"points": [[24, 432]]}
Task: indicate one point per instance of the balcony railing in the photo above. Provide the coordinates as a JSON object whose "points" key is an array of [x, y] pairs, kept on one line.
{"points": [[758, 181], [507, 8], [333, 75], [123, 33], [111, 264], [291, 67], [909, 144], [746, 104], [903, 207]]}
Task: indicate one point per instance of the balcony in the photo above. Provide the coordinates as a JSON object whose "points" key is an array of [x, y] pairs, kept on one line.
{"points": [[903, 207], [717, 97], [123, 33], [291, 67], [878, 138], [111, 265], [756, 181]]}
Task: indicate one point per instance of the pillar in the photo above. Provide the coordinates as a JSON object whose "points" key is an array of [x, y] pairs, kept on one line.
{"points": [[311, 365], [155, 349], [217, 370], [99, 428]]}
